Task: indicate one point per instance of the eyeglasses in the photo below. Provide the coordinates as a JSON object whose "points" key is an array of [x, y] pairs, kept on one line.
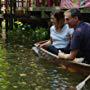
{"points": [[67, 19]]}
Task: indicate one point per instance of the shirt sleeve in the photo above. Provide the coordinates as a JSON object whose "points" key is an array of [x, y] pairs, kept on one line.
{"points": [[71, 31], [76, 39]]}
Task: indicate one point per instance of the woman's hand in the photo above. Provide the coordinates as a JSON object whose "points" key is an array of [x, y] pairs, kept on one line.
{"points": [[43, 45], [46, 44]]}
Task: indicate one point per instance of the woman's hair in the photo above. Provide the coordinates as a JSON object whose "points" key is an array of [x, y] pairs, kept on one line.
{"points": [[59, 15]]}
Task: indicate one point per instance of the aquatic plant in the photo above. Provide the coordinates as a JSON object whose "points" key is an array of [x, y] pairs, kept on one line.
{"points": [[24, 34]]}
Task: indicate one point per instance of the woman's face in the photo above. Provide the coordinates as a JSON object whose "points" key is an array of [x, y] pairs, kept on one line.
{"points": [[58, 23], [55, 21]]}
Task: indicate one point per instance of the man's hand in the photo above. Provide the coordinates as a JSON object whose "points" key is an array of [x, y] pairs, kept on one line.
{"points": [[63, 55]]}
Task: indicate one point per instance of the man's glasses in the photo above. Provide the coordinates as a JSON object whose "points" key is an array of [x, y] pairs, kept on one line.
{"points": [[67, 19]]}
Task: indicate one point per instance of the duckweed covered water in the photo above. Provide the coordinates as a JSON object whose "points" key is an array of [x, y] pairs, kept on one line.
{"points": [[21, 69]]}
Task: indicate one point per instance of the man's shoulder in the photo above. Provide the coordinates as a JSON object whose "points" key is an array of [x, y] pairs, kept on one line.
{"points": [[84, 24], [82, 27], [87, 24]]}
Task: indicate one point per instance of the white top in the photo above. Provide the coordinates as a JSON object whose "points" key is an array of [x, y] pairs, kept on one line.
{"points": [[61, 39]]}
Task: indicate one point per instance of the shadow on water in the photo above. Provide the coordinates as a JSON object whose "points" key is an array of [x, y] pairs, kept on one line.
{"points": [[25, 71]]}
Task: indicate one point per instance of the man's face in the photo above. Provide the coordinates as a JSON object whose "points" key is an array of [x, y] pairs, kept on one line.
{"points": [[71, 21]]}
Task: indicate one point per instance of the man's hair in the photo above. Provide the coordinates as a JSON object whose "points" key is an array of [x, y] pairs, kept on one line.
{"points": [[75, 12]]}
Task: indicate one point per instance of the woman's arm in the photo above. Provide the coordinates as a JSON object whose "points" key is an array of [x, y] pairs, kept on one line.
{"points": [[46, 44]]}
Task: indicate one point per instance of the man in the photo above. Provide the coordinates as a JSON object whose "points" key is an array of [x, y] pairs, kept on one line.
{"points": [[80, 43]]}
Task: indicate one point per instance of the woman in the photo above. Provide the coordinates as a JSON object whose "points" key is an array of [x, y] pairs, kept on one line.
{"points": [[60, 35]]}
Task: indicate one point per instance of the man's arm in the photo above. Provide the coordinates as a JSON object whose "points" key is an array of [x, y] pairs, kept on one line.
{"points": [[70, 56], [75, 45]]}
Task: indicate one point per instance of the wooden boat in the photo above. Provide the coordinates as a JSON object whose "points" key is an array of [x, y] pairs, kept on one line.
{"points": [[66, 64]]}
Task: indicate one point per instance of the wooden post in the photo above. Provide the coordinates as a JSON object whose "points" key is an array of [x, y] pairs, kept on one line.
{"points": [[11, 15]]}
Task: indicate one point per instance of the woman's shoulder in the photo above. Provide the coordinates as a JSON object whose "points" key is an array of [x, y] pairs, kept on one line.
{"points": [[68, 28], [52, 27]]}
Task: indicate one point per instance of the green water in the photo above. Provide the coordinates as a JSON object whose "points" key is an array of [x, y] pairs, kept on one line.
{"points": [[23, 70]]}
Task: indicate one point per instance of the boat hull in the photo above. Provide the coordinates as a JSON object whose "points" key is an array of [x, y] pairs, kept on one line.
{"points": [[65, 64]]}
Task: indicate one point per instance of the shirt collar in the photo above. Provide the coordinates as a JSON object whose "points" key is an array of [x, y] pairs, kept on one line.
{"points": [[78, 25]]}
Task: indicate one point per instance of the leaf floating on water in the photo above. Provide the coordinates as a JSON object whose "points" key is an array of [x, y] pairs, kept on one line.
{"points": [[24, 83], [23, 75], [38, 88], [18, 58], [39, 74], [15, 86], [21, 46], [22, 50], [66, 79]]}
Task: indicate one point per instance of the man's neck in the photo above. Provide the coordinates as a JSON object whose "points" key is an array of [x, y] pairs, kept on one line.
{"points": [[78, 22]]}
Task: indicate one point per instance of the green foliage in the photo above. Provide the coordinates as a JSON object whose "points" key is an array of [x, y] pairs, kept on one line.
{"points": [[3, 69], [41, 34], [18, 25], [24, 34]]}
